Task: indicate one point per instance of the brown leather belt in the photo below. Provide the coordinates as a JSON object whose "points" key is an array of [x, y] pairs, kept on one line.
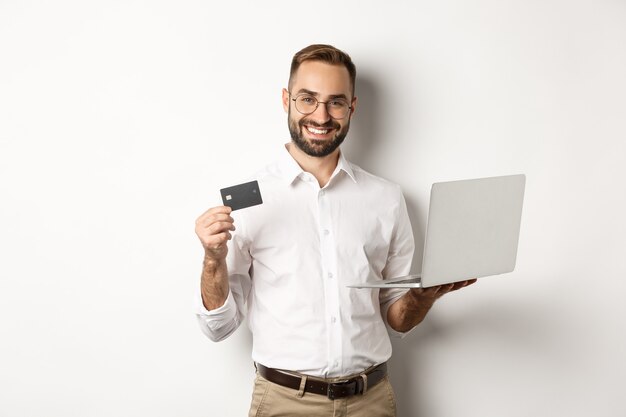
{"points": [[340, 389]]}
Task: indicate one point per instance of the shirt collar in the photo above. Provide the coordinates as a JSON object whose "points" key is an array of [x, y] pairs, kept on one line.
{"points": [[290, 170], [344, 165]]}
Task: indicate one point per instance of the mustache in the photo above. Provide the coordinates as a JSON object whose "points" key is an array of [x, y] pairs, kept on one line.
{"points": [[331, 124]]}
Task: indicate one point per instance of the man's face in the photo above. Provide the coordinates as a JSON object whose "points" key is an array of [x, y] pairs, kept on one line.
{"points": [[318, 134]]}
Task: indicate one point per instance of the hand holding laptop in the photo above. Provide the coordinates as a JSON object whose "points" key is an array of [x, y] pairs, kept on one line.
{"points": [[434, 293], [412, 307]]}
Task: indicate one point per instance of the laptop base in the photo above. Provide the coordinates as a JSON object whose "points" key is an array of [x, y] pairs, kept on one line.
{"points": [[409, 281]]}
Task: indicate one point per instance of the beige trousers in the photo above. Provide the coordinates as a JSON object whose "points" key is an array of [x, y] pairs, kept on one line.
{"points": [[273, 400]]}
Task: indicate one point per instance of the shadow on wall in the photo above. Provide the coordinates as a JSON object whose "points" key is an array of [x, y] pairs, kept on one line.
{"points": [[419, 232], [364, 140]]}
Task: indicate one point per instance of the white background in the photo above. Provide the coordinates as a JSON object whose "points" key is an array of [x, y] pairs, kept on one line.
{"points": [[120, 120]]}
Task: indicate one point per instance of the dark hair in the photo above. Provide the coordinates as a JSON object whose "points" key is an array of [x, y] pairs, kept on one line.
{"points": [[324, 53]]}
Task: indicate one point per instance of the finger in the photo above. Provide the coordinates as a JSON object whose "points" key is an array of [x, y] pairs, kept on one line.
{"points": [[219, 227], [428, 291], [214, 210], [207, 224], [214, 218], [444, 289], [215, 242], [220, 209], [468, 282], [206, 233], [458, 285], [463, 284]]}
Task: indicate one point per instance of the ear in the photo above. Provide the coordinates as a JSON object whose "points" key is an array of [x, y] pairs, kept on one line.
{"points": [[285, 100], [353, 104]]}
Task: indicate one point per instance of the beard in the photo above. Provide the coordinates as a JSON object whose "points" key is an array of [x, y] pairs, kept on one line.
{"points": [[316, 147]]}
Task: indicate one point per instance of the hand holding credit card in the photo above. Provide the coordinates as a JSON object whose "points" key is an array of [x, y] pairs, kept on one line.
{"points": [[242, 195]]}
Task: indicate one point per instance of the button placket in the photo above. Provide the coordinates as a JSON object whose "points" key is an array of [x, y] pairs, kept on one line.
{"points": [[327, 246]]}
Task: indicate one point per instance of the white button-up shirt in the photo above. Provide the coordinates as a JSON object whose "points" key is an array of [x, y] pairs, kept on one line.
{"points": [[290, 261]]}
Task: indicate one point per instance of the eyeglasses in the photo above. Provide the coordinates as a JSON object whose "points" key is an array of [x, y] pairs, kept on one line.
{"points": [[337, 108]]}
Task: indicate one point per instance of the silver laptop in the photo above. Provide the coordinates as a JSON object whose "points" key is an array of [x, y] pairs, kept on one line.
{"points": [[473, 231]]}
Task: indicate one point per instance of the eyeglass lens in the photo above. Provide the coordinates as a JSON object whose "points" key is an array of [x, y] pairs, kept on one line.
{"points": [[336, 108]]}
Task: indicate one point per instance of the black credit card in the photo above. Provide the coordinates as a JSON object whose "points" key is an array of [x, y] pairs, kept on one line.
{"points": [[242, 195]]}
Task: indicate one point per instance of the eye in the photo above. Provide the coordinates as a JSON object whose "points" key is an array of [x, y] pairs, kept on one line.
{"points": [[338, 103], [307, 100]]}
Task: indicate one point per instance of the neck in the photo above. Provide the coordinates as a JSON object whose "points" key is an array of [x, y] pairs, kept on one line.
{"points": [[320, 167]]}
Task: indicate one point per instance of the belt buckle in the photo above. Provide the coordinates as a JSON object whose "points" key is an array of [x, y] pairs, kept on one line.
{"points": [[357, 387]]}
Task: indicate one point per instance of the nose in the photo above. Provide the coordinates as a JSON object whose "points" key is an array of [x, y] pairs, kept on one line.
{"points": [[320, 114]]}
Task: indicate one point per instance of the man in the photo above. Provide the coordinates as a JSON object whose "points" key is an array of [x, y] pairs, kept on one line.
{"points": [[320, 348]]}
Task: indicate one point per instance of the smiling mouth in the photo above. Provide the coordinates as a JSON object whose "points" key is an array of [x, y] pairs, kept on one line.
{"points": [[317, 131]]}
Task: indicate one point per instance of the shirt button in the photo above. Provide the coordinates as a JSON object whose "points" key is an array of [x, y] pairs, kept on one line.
{"points": [[333, 319], [336, 364], [322, 193], [326, 232], [330, 275]]}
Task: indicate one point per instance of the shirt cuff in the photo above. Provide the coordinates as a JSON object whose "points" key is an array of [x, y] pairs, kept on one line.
{"points": [[226, 312]]}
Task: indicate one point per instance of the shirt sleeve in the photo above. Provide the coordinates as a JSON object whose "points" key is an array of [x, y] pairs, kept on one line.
{"points": [[219, 323], [399, 261]]}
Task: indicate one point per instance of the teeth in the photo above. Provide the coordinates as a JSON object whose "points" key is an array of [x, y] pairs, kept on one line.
{"points": [[317, 131]]}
